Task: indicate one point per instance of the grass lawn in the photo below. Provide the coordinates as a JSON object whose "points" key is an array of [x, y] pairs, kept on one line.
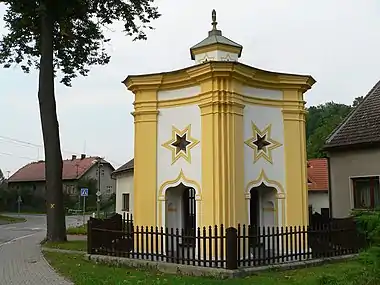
{"points": [[10, 220], [83, 272], [79, 230], [79, 245]]}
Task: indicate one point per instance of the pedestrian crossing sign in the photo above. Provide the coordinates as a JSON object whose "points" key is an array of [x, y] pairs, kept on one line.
{"points": [[84, 192]]}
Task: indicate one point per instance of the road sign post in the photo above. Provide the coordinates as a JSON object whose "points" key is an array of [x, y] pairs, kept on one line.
{"points": [[19, 200], [98, 193], [84, 194]]}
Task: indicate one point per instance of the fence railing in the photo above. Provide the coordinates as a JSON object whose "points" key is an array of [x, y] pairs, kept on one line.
{"points": [[258, 246], [216, 246]]}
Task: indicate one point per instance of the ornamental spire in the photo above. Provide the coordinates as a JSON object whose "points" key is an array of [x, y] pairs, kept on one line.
{"points": [[214, 22]]}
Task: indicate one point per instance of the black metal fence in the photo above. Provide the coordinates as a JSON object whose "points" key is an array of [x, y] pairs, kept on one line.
{"points": [[221, 247]]}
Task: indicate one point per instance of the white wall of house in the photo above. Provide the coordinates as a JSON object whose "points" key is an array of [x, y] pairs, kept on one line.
{"points": [[124, 185], [318, 200]]}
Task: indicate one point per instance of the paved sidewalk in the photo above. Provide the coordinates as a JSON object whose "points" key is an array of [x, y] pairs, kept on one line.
{"points": [[22, 263]]}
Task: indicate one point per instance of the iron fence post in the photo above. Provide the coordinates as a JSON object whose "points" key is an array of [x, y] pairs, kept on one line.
{"points": [[89, 236], [231, 248]]}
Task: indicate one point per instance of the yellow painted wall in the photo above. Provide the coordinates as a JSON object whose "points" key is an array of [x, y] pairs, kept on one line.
{"points": [[222, 159], [145, 182], [295, 160]]}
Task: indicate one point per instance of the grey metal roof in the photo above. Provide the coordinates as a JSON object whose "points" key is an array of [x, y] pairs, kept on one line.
{"points": [[129, 166], [215, 37]]}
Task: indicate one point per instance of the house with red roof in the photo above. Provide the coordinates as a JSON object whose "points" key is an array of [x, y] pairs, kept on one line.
{"points": [[318, 185], [32, 176]]}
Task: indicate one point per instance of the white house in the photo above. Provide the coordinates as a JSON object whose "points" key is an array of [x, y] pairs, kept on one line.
{"points": [[318, 185], [124, 188]]}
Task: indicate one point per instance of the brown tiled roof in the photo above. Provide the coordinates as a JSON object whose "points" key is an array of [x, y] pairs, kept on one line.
{"points": [[317, 174], [129, 166], [72, 169], [361, 126]]}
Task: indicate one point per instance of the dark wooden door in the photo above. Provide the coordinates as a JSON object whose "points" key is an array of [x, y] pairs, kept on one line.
{"points": [[254, 210], [189, 214]]}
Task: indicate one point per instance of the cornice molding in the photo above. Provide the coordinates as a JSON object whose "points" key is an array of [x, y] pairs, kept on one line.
{"points": [[214, 69]]}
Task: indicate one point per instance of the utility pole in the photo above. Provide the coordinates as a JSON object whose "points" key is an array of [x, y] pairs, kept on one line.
{"points": [[98, 193], [19, 200], [77, 185]]}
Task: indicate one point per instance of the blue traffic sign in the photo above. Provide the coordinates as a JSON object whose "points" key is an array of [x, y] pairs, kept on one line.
{"points": [[84, 192]]}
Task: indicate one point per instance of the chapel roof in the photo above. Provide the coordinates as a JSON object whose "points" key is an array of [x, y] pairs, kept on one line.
{"points": [[215, 37]]}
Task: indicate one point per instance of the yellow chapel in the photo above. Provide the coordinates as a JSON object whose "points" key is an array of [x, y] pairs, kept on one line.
{"points": [[219, 142]]}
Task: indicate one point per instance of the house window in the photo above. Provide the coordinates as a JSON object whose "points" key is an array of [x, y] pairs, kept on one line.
{"points": [[366, 192], [125, 202], [109, 189]]}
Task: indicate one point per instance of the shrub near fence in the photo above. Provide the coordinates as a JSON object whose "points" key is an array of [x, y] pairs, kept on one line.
{"points": [[230, 248]]}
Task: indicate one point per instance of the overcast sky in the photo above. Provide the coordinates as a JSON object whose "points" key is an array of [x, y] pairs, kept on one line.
{"points": [[335, 41]]}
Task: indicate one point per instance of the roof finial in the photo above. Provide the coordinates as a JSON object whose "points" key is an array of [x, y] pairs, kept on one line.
{"points": [[214, 22]]}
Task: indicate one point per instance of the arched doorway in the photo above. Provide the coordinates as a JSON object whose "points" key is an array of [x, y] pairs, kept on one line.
{"points": [[262, 212], [262, 206], [181, 212]]}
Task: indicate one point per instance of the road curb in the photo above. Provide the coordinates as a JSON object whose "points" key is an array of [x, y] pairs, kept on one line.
{"points": [[62, 250]]}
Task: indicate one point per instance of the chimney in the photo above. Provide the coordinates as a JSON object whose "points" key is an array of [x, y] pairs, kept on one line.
{"points": [[73, 157], [82, 156]]}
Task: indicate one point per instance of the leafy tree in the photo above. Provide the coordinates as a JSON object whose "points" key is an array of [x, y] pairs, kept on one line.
{"points": [[321, 120], [357, 101], [65, 36]]}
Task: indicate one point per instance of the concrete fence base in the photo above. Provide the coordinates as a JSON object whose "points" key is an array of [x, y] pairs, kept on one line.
{"points": [[190, 270]]}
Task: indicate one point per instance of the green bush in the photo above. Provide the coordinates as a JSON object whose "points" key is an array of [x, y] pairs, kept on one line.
{"points": [[369, 223]]}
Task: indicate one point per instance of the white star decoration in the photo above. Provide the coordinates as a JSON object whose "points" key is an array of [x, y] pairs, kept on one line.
{"points": [[227, 58], [205, 58]]}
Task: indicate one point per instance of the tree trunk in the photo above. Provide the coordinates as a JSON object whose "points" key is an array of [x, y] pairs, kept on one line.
{"points": [[55, 212]]}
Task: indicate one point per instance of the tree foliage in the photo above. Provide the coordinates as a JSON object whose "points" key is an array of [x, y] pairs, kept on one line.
{"points": [[357, 101], [66, 36], [321, 121], [78, 31]]}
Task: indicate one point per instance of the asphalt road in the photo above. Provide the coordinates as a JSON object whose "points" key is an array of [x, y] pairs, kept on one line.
{"points": [[21, 261]]}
